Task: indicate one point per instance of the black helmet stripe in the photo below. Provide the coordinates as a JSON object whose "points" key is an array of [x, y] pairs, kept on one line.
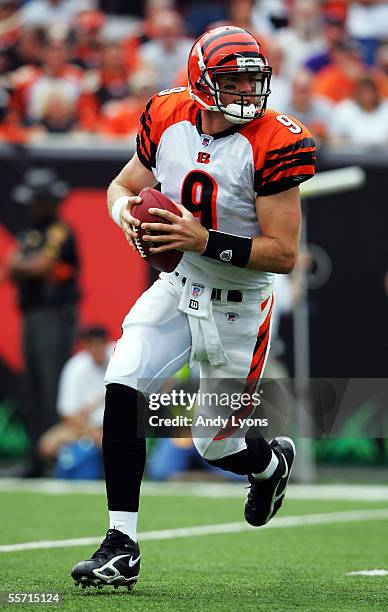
{"points": [[233, 32], [228, 44]]}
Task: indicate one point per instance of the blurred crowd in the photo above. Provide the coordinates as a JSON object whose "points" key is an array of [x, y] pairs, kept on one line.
{"points": [[87, 67]]}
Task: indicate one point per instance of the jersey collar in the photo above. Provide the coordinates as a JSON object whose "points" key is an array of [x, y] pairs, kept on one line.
{"points": [[228, 132]]}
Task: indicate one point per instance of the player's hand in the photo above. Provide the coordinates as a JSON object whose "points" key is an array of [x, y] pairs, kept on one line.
{"points": [[127, 221], [184, 233]]}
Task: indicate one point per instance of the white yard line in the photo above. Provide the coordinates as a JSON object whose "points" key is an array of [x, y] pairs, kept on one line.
{"points": [[200, 530], [374, 572], [345, 492]]}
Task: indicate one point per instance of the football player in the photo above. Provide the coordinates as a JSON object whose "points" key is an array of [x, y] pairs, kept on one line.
{"points": [[234, 167]]}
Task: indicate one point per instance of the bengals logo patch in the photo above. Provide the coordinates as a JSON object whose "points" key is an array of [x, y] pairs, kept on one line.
{"points": [[203, 158]]}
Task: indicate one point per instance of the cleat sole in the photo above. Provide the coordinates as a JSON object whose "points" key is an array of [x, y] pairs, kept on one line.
{"points": [[85, 581]]}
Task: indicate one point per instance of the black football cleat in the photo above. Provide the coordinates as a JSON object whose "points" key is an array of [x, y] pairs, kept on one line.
{"points": [[266, 496], [115, 563]]}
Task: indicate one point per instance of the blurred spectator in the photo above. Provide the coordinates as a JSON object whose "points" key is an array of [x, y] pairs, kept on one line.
{"points": [[86, 29], [380, 70], [268, 15], [312, 111], [52, 12], [303, 37], [123, 7], [338, 6], [200, 13], [382, 58], [10, 130], [280, 82], [121, 117], [363, 120], [334, 32], [173, 458], [58, 110], [80, 402], [28, 48], [367, 22], [338, 80], [240, 14], [34, 86], [109, 82], [167, 52], [4, 62], [4, 101], [44, 268], [131, 47], [9, 23]]}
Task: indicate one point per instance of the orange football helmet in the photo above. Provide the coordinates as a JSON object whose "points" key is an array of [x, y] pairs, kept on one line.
{"points": [[228, 50]]}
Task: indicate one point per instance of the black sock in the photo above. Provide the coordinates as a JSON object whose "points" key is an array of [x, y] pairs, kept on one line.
{"points": [[124, 453], [252, 460]]}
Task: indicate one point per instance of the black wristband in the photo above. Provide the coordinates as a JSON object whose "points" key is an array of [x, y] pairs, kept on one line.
{"points": [[228, 248]]}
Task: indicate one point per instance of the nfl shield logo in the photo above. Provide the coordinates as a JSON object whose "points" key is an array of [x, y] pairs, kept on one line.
{"points": [[206, 140], [197, 289], [231, 317]]}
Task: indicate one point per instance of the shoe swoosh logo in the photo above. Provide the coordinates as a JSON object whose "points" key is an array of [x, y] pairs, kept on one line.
{"points": [[132, 561], [277, 497], [110, 565], [286, 464]]}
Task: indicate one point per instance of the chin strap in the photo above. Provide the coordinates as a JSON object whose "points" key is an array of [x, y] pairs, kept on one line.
{"points": [[232, 113]]}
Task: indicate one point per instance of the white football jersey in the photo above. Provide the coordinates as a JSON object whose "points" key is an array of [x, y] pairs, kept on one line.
{"points": [[218, 177]]}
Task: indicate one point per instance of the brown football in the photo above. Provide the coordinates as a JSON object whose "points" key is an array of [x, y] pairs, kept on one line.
{"points": [[164, 262]]}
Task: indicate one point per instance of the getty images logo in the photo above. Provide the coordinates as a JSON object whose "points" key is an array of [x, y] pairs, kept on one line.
{"points": [[226, 255]]}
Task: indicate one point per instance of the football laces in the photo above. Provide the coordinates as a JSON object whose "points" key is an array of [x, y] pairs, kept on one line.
{"points": [[138, 244]]}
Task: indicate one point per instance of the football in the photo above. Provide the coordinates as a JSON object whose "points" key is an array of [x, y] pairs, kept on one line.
{"points": [[164, 262]]}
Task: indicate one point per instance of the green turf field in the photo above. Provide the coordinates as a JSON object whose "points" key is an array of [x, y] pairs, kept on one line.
{"points": [[290, 567]]}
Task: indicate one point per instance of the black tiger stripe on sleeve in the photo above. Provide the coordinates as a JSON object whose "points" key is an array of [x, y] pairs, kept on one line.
{"points": [[286, 167], [146, 127], [303, 143], [142, 152], [303, 157], [300, 162], [145, 146], [257, 180], [283, 184]]}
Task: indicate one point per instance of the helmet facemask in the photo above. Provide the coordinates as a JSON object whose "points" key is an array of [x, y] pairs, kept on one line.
{"points": [[247, 106]]}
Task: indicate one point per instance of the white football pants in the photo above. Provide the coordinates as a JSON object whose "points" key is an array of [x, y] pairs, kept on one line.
{"points": [[156, 342]]}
